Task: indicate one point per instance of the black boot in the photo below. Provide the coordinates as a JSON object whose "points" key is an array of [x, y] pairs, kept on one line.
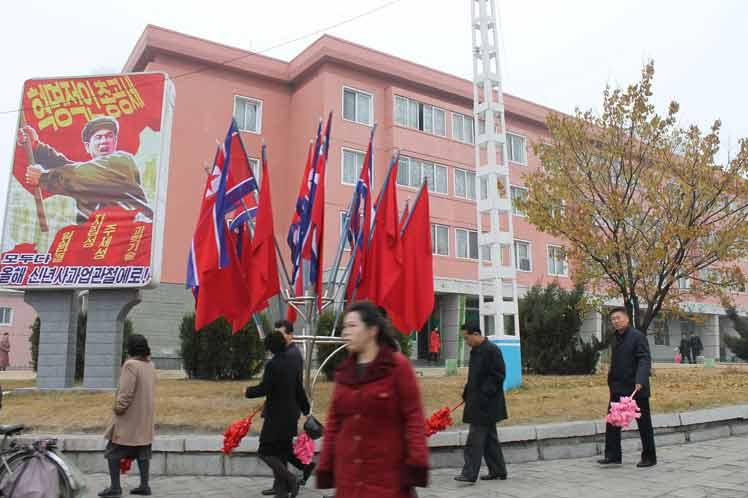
{"points": [[144, 468], [115, 488], [288, 485]]}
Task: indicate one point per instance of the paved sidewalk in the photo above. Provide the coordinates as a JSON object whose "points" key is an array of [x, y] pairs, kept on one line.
{"points": [[717, 469]]}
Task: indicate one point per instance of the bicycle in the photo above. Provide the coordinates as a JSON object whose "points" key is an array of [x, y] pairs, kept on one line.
{"points": [[13, 456]]}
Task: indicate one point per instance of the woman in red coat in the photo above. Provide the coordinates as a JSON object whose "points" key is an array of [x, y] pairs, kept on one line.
{"points": [[435, 345], [374, 441]]}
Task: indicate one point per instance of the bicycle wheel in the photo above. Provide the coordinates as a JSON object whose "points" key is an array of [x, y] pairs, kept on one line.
{"points": [[15, 464]]}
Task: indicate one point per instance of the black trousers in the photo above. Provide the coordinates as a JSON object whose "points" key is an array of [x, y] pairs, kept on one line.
{"points": [[282, 477], [483, 443], [646, 433]]}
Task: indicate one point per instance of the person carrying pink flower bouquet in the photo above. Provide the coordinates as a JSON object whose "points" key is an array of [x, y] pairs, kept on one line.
{"points": [[629, 376]]}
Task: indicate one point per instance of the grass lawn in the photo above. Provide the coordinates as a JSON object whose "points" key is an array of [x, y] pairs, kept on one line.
{"points": [[209, 407]]}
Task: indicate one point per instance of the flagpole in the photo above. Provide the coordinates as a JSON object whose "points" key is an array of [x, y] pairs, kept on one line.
{"points": [[393, 162], [279, 261], [332, 283], [410, 214]]}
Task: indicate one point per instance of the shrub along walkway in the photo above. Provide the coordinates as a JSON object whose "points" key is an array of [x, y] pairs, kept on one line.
{"points": [[209, 407]]}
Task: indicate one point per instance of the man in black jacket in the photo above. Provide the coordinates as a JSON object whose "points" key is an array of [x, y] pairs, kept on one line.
{"points": [[629, 374], [285, 328], [484, 407], [285, 401]]}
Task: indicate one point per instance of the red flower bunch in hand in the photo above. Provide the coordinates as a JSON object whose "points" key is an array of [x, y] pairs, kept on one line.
{"points": [[236, 432], [124, 465], [440, 420]]}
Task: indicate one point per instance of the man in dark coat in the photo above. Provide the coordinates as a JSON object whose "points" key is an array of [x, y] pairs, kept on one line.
{"points": [[685, 349], [484, 407], [285, 327], [285, 401], [629, 374], [696, 346]]}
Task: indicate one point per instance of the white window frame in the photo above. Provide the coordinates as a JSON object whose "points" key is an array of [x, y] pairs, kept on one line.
{"points": [[10, 316], [434, 251], [566, 262], [515, 211], [467, 173], [421, 176], [256, 169], [509, 148], [516, 254], [433, 120], [467, 231], [355, 111], [464, 117], [342, 166], [260, 105]]}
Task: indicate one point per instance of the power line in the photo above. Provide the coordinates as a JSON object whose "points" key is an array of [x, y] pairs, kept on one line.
{"points": [[266, 50]]}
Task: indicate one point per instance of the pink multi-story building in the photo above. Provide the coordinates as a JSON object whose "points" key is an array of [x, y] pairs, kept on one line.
{"points": [[425, 113]]}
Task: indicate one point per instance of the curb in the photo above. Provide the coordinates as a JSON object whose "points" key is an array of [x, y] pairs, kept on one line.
{"points": [[175, 455]]}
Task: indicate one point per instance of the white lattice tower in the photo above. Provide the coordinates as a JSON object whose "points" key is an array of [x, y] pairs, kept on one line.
{"points": [[496, 269]]}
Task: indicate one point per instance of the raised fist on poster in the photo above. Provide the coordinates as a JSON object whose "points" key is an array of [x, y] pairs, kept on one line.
{"points": [[26, 133]]}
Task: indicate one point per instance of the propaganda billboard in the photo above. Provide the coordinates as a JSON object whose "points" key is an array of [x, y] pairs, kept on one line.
{"points": [[87, 192]]}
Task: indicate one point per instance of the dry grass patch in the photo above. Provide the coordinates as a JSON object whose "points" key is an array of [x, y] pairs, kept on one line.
{"points": [[208, 407]]}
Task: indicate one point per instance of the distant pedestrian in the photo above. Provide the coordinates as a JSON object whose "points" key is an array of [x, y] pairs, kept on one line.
{"points": [[4, 352], [285, 400], [629, 374], [435, 345], [374, 443], [484, 407], [685, 348], [131, 432], [697, 347]]}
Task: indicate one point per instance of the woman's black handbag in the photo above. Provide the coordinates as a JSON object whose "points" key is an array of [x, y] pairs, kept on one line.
{"points": [[313, 427]]}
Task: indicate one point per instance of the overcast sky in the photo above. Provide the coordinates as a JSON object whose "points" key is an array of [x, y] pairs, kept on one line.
{"points": [[557, 53]]}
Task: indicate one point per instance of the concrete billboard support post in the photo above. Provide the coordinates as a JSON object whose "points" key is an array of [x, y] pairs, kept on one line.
{"points": [[107, 311], [58, 314]]}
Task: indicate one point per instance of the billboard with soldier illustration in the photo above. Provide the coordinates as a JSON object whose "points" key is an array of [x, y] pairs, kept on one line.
{"points": [[86, 197]]}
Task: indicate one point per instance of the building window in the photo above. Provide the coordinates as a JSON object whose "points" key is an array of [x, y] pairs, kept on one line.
{"points": [[248, 114], [483, 188], [661, 332], [467, 243], [357, 106], [256, 170], [684, 283], [518, 193], [517, 148], [463, 128], [411, 172], [420, 116], [557, 265], [353, 161], [465, 184], [439, 240], [522, 255], [6, 316]]}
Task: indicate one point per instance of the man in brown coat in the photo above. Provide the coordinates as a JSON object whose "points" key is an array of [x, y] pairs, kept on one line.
{"points": [[131, 433]]}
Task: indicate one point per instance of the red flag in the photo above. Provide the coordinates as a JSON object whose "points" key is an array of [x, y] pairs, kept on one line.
{"points": [[363, 191], [314, 243], [384, 258], [262, 275], [294, 233], [223, 291], [411, 300]]}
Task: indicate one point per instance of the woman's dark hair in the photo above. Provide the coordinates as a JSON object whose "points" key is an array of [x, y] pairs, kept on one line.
{"points": [[137, 345], [373, 316], [275, 342]]}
